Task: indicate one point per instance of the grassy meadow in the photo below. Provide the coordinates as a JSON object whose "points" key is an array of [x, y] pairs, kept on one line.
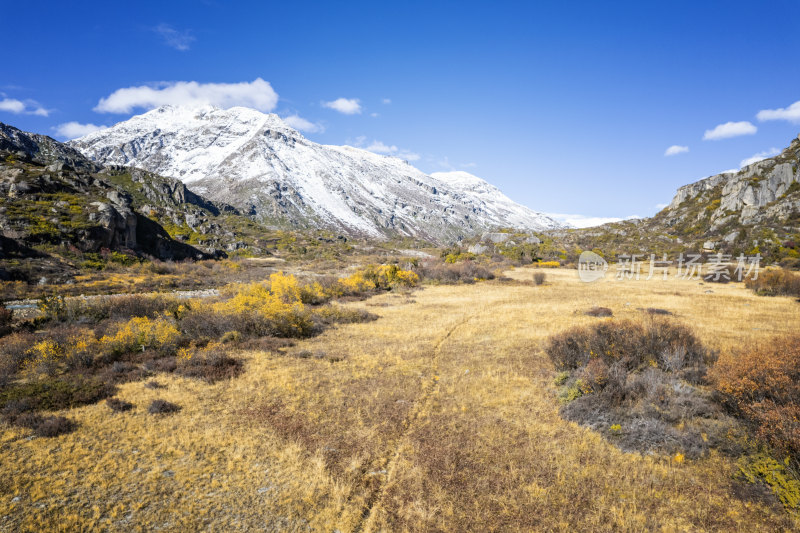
{"points": [[442, 414]]}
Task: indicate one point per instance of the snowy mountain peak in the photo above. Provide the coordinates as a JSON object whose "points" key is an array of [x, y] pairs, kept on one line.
{"points": [[255, 161]]}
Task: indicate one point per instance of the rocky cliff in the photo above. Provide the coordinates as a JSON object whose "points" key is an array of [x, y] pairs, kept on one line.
{"points": [[755, 210], [53, 198]]}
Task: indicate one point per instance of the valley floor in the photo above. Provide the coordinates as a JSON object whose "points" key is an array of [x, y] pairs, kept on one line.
{"points": [[441, 415]]}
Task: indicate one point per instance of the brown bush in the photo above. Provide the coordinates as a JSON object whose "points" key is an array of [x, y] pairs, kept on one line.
{"points": [[462, 272], [762, 384], [657, 311], [98, 308], [632, 381], [56, 393], [538, 278], [599, 312], [210, 364], [120, 406], [6, 317], [634, 344], [204, 324], [162, 407], [45, 426], [13, 354], [775, 282]]}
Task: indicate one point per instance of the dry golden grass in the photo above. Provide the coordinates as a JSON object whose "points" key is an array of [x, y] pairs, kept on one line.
{"points": [[439, 416]]}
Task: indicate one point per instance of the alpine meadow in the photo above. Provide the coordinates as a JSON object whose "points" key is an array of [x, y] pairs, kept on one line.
{"points": [[420, 267]]}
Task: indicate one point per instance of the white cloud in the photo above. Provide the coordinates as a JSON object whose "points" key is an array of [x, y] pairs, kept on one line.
{"points": [[469, 165], [257, 94], [675, 150], [730, 129], [387, 101], [301, 124], [791, 113], [11, 105], [73, 130], [374, 115], [28, 107], [379, 147], [661, 206], [179, 40], [348, 106], [582, 221], [760, 156]]}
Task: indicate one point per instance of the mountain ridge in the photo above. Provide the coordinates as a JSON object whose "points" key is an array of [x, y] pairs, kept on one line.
{"points": [[257, 163]]}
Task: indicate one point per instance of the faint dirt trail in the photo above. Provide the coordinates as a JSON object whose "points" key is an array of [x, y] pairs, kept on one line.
{"points": [[389, 464]]}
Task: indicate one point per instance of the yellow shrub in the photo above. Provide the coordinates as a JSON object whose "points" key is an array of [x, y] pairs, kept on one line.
{"points": [[548, 264], [81, 350], [406, 278], [762, 467], [184, 354], [312, 293], [380, 277], [159, 334], [267, 309], [356, 283], [285, 287], [45, 357]]}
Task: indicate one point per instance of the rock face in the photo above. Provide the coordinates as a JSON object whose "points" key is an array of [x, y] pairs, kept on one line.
{"points": [[51, 195], [43, 150], [258, 164], [755, 193], [755, 210]]}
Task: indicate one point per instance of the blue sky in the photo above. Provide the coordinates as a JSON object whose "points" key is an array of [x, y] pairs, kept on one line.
{"points": [[568, 107]]}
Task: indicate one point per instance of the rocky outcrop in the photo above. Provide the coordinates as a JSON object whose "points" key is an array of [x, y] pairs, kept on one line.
{"points": [[42, 150], [51, 195], [755, 193], [755, 210]]}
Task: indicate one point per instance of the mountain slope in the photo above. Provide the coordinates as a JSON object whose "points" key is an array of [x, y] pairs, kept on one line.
{"points": [[55, 201], [254, 161], [753, 211], [496, 204]]}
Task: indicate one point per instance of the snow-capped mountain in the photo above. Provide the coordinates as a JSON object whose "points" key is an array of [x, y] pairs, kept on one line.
{"points": [[257, 162]]}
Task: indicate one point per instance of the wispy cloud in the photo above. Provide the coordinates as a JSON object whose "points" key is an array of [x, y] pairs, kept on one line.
{"points": [[675, 150], [73, 130], [301, 124], [347, 106], [387, 101], [730, 129], [379, 147], [177, 39], [791, 113], [257, 94], [582, 221], [760, 156], [20, 107]]}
